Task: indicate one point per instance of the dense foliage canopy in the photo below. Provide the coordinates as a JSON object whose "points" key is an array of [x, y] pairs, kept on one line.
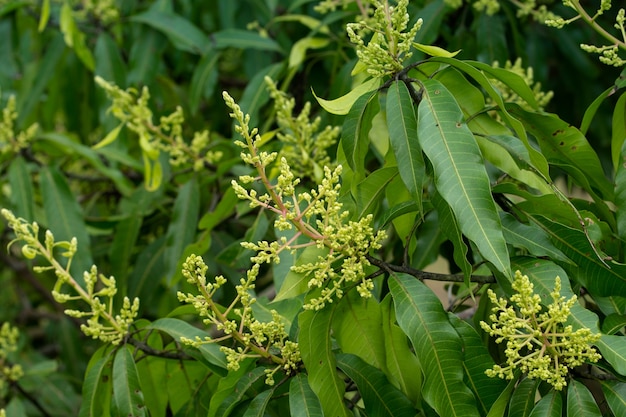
{"points": [[233, 208]]}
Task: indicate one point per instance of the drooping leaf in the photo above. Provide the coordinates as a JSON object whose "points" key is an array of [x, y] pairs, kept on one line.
{"points": [[580, 401], [550, 405], [438, 346], [356, 326], [476, 360], [182, 228], [177, 328], [460, 175], [402, 125], [615, 394], [180, 31], [316, 351], [302, 400], [356, 128], [65, 217], [127, 395], [380, 397]]}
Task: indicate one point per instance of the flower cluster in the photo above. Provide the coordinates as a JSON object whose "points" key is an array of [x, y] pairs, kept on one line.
{"points": [[538, 343], [132, 109], [304, 145], [389, 45], [317, 215], [256, 339], [11, 141], [106, 11], [8, 343], [509, 96], [102, 323]]}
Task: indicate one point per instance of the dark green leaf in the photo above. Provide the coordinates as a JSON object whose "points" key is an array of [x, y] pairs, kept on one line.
{"points": [[438, 346], [243, 39], [491, 39], [380, 397], [618, 133], [523, 398], [127, 395], [620, 193], [96, 393], [499, 407], [145, 57], [21, 189], [203, 80], [580, 401], [302, 400], [613, 323], [402, 126], [460, 175], [259, 404], [369, 192], [551, 405], [615, 394], [227, 386], [356, 128], [109, 62], [315, 347], [245, 382], [180, 31], [179, 328]]}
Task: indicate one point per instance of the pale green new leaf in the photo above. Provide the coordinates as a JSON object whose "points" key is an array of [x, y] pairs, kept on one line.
{"points": [[580, 401], [437, 345], [316, 351], [302, 400], [343, 104], [460, 175], [380, 397], [298, 50], [402, 125], [127, 396]]}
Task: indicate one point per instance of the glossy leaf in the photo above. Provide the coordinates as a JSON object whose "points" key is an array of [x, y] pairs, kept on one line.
{"points": [[244, 383], [296, 283], [227, 387], [421, 316], [613, 323], [476, 360], [179, 328], [259, 404], [500, 406], [182, 229], [615, 394], [580, 401], [96, 392], [550, 405], [523, 398], [380, 397], [368, 194], [127, 396], [302, 400], [356, 129], [356, 326], [460, 175], [319, 360], [65, 217], [402, 125]]}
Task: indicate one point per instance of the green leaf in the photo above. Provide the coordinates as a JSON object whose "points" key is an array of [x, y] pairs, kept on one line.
{"points": [[530, 237], [178, 328], [399, 210], [21, 189], [564, 144], [438, 346], [228, 387], [369, 192], [618, 132], [476, 360], [298, 50], [580, 401], [302, 400], [403, 367], [204, 79], [296, 283], [243, 39], [615, 394], [593, 108], [551, 405], [153, 377], [460, 175], [402, 125], [145, 56], [433, 50], [127, 395], [180, 31], [65, 217], [491, 38], [380, 397], [96, 392], [356, 129], [316, 351], [149, 264], [109, 62], [356, 326], [620, 194], [45, 15], [500, 405], [512, 80], [523, 398], [244, 383], [343, 104], [182, 228], [73, 37], [110, 137], [613, 323], [259, 404]]}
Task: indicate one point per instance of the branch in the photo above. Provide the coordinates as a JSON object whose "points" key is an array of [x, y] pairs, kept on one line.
{"points": [[150, 351], [422, 275]]}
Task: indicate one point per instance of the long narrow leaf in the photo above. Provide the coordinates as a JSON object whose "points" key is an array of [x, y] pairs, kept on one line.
{"points": [[460, 175], [551, 405], [437, 345], [96, 394], [127, 395], [615, 394], [580, 401], [302, 400], [356, 127], [380, 397], [319, 360]]}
